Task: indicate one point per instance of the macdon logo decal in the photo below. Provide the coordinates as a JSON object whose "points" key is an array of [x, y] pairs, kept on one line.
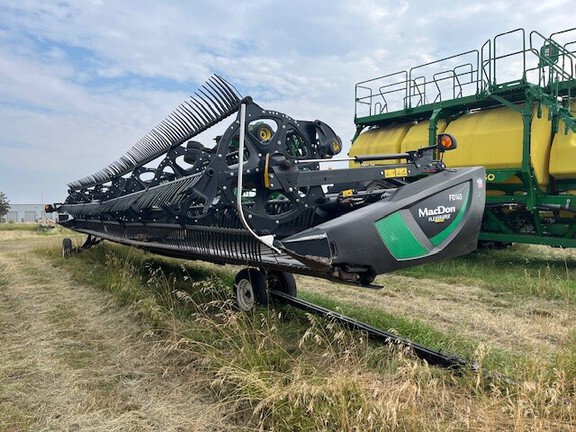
{"points": [[437, 215]]}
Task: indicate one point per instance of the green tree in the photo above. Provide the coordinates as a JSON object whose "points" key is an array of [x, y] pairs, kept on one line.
{"points": [[4, 205]]}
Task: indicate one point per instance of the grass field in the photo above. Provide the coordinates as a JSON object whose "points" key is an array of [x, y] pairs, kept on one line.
{"points": [[511, 311], [18, 227]]}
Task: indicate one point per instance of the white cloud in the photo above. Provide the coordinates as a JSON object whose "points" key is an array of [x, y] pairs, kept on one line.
{"points": [[83, 81]]}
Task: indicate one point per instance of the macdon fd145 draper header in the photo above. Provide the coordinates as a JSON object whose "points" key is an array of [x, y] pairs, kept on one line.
{"points": [[259, 198]]}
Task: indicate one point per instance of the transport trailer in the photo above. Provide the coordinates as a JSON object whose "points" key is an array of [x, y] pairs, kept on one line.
{"points": [[512, 106], [263, 198]]}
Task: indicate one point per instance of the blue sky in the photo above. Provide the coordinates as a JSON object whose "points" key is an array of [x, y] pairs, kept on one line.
{"points": [[82, 81]]}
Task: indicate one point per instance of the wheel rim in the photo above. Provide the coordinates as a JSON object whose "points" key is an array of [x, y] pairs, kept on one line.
{"points": [[245, 295]]}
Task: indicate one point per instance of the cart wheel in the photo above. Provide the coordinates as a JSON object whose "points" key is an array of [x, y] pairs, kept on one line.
{"points": [[66, 247], [250, 289], [282, 281]]}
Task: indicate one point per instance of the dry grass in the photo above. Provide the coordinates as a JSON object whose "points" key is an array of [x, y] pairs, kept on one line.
{"points": [[336, 381], [311, 376], [498, 320], [71, 360], [273, 370]]}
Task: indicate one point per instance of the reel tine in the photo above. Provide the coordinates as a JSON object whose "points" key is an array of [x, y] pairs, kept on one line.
{"points": [[169, 130], [178, 124], [161, 141], [172, 129], [136, 153], [229, 90], [142, 149], [199, 106], [207, 104], [155, 141], [212, 102], [184, 117], [165, 130], [129, 158], [198, 113], [232, 94], [227, 101], [182, 125], [217, 97], [190, 115], [180, 120], [196, 118]]}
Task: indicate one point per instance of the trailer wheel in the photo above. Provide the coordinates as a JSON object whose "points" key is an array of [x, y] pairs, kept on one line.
{"points": [[66, 247], [250, 289], [282, 281]]}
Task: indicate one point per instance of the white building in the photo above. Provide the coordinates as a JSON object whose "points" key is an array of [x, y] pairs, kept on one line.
{"points": [[28, 213]]}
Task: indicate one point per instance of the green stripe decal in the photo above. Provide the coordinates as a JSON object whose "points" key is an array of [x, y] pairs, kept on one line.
{"points": [[398, 238], [440, 237]]}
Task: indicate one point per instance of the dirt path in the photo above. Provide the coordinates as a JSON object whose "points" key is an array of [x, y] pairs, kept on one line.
{"points": [[71, 361]]}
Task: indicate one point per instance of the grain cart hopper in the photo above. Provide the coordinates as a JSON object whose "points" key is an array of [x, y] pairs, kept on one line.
{"points": [[512, 106], [259, 198]]}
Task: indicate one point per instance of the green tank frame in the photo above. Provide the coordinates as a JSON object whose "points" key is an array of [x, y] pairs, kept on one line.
{"points": [[512, 68]]}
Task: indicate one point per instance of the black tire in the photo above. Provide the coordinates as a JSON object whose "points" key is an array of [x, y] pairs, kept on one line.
{"points": [[250, 289], [66, 247], [493, 245], [283, 282], [502, 245], [366, 279]]}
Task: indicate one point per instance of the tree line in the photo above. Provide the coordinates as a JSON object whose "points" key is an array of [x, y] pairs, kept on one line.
{"points": [[4, 205]]}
